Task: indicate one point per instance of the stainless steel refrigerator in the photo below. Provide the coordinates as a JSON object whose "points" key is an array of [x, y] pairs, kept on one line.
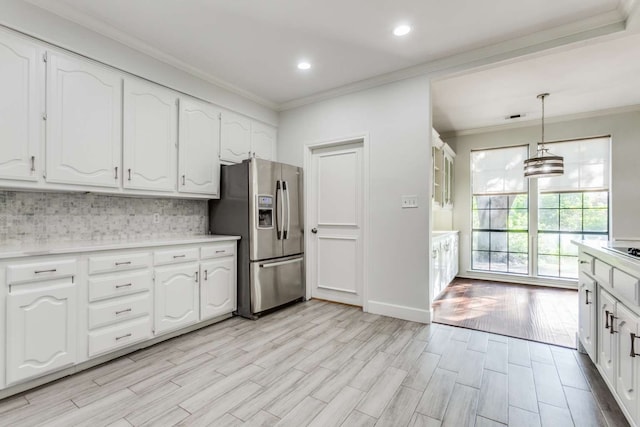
{"points": [[261, 201]]}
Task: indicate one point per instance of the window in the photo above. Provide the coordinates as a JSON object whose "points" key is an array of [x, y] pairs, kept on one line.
{"points": [[574, 206], [500, 210]]}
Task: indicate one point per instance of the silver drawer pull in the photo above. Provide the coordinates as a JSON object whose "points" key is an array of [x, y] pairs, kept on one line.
{"points": [[123, 263], [53, 270], [179, 256], [221, 251], [584, 262], [123, 336], [127, 310], [123, 286]]}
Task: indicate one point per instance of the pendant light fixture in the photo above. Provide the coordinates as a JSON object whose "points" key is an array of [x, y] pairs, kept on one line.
{"points": [[544, 164]]}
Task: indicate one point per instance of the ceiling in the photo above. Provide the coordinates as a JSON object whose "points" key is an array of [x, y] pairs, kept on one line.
{"points": [[595, 77], [254, 46]]}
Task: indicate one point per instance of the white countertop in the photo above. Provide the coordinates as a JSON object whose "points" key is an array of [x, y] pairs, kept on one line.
{"points": [[57, 248], [613, 258]]}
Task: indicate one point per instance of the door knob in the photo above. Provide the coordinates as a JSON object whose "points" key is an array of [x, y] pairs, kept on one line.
{"points": [[314, 230]]}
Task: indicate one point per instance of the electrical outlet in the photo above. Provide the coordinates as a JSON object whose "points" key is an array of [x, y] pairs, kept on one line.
{"points": [[409, 202], [156, 218]]}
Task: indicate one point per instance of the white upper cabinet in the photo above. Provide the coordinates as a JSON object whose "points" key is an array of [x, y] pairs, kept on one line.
{"points": [[21, 80], [235, 138], [263, 141], [84, 107], [199, 144], [150, 137]]}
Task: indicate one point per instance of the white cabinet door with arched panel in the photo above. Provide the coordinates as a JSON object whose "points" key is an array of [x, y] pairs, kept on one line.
{"points": [[336, 222], [235, 138], [176, 297], [217, 288], [41, 329], [21, 83], [199, 145], [84, 119], [606, 342], [150, 137], [263, 141]]}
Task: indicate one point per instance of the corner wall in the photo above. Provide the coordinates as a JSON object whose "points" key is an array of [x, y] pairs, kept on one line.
{"points": [[624, 129], [397, 119]]}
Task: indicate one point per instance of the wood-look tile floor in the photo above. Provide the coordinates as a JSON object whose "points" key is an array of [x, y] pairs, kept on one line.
{"points": [[323, 364], [537, 313]]}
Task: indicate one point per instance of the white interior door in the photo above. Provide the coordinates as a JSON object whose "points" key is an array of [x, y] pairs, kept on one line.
{"points": [[335, 223]]}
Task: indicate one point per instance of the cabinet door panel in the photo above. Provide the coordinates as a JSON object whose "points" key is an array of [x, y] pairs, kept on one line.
{"points": [[586, 314], [606, 340], [235, 138], [263, 140], [176, 297], [199, 145], [150, 136], [20, 119], [218, 287], [627, 369], [41, 333], [84, 123]]}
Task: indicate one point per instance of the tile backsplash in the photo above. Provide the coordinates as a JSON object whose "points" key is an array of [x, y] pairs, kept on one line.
{"points": [[27, 217]]}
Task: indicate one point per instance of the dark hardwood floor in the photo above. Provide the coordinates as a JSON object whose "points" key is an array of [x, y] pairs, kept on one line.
{"points": [[536, 313]]}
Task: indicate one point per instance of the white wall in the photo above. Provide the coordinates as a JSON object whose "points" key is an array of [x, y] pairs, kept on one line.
{"points": [[36, 22], [625, 156], [397, 119]]}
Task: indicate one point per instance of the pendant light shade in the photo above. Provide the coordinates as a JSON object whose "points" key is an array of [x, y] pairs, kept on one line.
{"points": [[544, 164]]}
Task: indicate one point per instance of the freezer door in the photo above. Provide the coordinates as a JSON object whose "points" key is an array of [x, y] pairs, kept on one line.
{"points": [[276, 282], [265, 182], [292, 237]]}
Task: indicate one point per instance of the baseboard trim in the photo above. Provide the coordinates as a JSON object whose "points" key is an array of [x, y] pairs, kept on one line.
{"points": [[400, 312]]}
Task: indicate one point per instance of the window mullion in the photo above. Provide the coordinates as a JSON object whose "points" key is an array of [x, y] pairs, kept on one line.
{"points": [[533, 221]]}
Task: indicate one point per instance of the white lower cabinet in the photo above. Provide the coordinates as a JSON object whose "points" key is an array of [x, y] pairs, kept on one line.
{"points": [[444, 261], [176, 297], [609, 321], [41, 328], [218, 287], [63, 311], [606, 339], [587, 313], [625, 331]]}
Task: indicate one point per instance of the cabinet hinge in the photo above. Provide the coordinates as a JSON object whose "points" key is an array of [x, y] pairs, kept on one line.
{"points": [[220, 116], [44, 57]]}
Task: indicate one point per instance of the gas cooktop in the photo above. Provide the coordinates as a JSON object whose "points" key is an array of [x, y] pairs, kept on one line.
{"points": [[625, 250]]}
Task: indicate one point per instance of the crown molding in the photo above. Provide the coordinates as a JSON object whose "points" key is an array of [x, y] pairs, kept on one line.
{"points": [[547, 120], [615, 21], [93, 24], [594, 27]]}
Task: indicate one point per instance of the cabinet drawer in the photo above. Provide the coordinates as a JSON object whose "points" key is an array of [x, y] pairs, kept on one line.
{"points": [[120, 335], [586, 263], [119, 309], [41, 271], [119, 284], [173, 256], [111, 263], [217, 251], [625, 285], [602, 272]]}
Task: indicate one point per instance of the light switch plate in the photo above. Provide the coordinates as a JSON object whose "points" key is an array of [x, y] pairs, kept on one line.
{"points": [[409, 202]]}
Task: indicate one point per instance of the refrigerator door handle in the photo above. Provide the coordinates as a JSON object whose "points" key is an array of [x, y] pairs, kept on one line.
{"points": [[285, 189], [279, 263], [278, 217]]}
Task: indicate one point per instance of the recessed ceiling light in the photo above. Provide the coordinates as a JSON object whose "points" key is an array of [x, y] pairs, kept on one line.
{"points": [[304, 65], [401, 30]]}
